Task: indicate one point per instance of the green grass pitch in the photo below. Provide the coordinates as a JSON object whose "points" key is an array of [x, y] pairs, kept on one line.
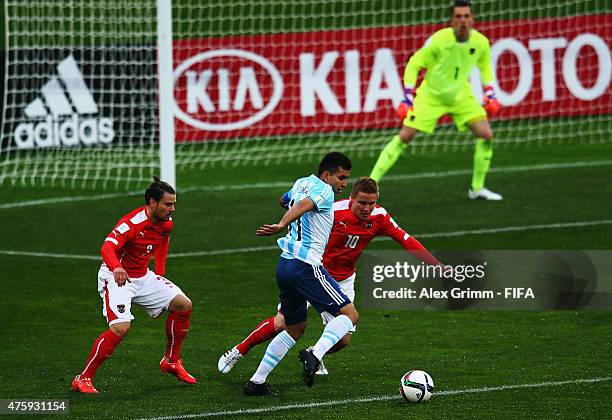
{"points": [[51, 311]]}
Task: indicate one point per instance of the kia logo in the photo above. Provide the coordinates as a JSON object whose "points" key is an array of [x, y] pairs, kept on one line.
{"points": [[224, 90]]}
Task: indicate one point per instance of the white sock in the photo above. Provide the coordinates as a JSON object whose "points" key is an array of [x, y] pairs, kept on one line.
{"points": [[278, 347], [333, 332]]}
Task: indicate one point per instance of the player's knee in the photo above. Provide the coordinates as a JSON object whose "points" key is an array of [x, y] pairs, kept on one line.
{"points": [[486, 134], [279, 322], [180, 303], [351, 312], [483, 131], [120, 329], [406, 135], [405, 139], [187, 305]]}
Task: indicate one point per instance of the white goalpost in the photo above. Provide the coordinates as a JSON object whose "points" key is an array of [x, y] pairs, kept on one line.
{"points": [[167, 161]]}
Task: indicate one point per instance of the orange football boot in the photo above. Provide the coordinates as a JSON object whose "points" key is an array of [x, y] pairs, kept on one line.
{"points": [[83, 385], [177, 370]]}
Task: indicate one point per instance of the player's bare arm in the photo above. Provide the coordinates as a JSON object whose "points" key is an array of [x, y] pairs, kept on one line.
{"points": [[290, 215]]}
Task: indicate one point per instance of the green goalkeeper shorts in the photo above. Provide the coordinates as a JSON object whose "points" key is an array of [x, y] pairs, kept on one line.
{"points": [[427, 111]]}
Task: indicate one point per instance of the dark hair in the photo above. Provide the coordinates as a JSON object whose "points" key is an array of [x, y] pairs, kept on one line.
{"points": [[366, 185], [460, 3], [157, 189], [334, 161]]}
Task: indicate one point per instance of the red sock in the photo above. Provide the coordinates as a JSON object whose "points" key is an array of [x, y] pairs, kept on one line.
{"points": [[102, 349], [263, 332], [177, 326]]}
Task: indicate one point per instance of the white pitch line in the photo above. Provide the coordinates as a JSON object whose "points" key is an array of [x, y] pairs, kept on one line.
{"points": [[228, 251], [375, 399], [520, 168], [514, 229], [50, 255], [245, 250], [287, 184]]}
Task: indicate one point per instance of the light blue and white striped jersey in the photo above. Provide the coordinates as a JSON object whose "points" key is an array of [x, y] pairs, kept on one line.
{"points": [[308, 235]]}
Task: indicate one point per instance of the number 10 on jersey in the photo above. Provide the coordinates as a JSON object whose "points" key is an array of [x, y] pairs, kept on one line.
{"points": [[351, 241]]}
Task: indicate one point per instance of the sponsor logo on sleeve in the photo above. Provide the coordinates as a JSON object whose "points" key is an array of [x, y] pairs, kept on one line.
{"points": [[122, 228]]}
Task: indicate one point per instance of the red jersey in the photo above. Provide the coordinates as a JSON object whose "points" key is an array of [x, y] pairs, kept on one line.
{"points": [[350, 235], [133, 242]]}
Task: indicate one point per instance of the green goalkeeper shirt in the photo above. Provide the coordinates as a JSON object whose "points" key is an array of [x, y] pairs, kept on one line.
{"points": [[449, 64]]}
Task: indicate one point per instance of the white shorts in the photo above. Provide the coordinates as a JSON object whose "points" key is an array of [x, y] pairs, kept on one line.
{"points": [[348, 287], [152, 292]]}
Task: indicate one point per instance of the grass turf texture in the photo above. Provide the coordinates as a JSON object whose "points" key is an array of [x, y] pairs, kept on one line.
{"points": [[51, 310]]}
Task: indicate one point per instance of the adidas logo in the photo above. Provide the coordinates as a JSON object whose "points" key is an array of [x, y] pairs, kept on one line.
{"points": [[63, 120]]}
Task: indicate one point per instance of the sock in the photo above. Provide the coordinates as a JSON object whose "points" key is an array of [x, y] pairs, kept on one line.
{"points": [[482, 160], [177, 325], [278, 347], [263, 332], [333, 332], [102, 349], [387, 158]]}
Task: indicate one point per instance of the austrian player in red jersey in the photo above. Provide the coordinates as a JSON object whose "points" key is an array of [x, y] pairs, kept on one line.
{"points": [[357, 221], [124, 278]]}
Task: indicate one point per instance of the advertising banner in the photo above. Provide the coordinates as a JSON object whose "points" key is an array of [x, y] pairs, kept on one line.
{"points": [[326, 81]]}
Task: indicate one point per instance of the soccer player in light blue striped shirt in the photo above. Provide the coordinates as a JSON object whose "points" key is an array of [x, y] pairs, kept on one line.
{"points": [[307, 237], [300, 274]]}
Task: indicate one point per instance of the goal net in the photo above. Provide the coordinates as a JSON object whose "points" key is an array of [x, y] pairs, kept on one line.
{"points": [[80, 102], [263, 82]]}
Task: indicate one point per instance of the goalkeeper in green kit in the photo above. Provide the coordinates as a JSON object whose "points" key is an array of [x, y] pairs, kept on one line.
{"points": [[448, 57]]}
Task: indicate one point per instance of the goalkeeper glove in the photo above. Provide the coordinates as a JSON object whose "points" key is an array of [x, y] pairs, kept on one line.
{"points": [[406, 105], [490, 102]]}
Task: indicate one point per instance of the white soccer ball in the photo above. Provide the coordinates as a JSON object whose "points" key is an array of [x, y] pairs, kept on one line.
{"points": [[416, 386]]}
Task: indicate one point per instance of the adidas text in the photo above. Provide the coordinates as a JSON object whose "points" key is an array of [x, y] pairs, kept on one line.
{"points": [[52, 120], [69, 132]]}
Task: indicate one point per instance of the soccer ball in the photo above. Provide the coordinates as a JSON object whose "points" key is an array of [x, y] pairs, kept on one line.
{"points": [[416, 386]]}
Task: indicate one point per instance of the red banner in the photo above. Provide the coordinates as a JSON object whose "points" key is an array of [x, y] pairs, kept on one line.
{"points": [[326, 81]]}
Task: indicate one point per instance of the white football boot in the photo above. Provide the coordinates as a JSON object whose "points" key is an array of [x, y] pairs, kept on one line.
{"points": [[322, 369], [228, 360], [484, 194]]}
